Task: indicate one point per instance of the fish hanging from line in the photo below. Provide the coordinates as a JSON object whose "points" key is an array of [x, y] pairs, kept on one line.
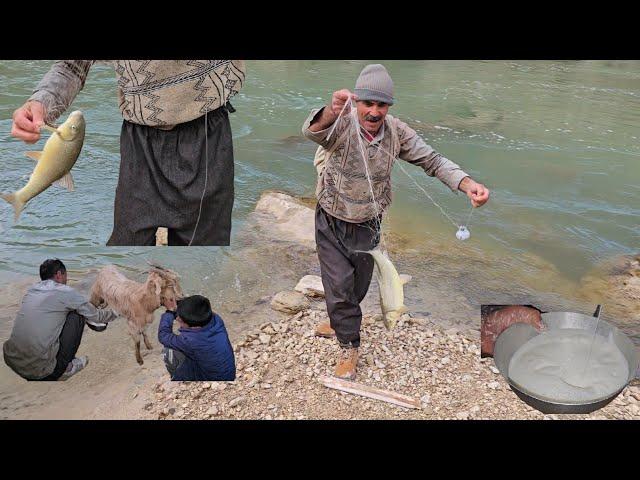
{"points": [[54, 162], [391, 288]]}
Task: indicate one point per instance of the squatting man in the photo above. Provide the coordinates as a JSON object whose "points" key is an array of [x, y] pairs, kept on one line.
{"points": [[347, 219]]}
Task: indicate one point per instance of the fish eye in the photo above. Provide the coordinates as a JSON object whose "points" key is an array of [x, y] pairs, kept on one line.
{"points": [[74, 127]]}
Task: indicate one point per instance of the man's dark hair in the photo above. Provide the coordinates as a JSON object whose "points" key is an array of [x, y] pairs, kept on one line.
{"points": [[50, 267]]}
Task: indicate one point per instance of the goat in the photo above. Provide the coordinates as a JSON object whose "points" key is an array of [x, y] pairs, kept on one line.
{"points": [[133, 300]]}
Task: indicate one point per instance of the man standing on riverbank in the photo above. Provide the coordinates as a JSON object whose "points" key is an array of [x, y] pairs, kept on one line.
{"points": [[347, 219], [175, 113], [48, 328]]}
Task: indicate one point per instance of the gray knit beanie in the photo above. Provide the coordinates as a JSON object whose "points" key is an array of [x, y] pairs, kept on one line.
{"points": [[374, 84]]}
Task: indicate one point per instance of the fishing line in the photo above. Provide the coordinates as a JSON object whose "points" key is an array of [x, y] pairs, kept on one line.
{"points": [[223, 98], [463, 232], [365, 158], [206, 174]]}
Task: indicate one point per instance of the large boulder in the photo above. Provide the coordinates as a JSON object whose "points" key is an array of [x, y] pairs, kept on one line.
{"points": [[289, 302], [311, 286], [289, 218]]}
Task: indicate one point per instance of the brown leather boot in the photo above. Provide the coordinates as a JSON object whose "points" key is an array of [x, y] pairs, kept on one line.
{"points": [[347, 363], [324, 330]]}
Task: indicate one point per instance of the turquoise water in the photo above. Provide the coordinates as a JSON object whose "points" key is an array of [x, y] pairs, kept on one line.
{"points": [[556, 142]]}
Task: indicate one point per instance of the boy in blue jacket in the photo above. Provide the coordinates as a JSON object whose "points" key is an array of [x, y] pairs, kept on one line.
{"points": [[202, 351]]}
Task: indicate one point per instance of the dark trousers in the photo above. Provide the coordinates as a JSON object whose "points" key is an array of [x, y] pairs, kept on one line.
{"points": [[346, 275], [162, 183], [70, 338], [172, 360]]}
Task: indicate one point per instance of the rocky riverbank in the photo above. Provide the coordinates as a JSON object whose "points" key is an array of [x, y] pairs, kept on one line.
{"points": [[279, 365], [432, 357]]}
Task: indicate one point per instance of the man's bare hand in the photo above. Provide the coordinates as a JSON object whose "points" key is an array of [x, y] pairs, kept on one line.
{"points": [[477, 193], [338, 100], [27, 121]]}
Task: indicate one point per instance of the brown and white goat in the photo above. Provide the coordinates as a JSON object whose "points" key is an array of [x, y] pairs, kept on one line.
{"points": [[133, 300]]}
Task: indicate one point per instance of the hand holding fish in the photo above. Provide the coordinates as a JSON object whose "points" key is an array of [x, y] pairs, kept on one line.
{"points": [[27, 122], [477, 193], [54, 162]]}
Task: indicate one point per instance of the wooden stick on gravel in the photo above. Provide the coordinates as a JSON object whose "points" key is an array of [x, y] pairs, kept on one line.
{"points": [[369, 392]]}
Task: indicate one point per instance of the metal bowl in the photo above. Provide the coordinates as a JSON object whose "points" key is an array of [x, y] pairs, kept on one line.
{"points": [[514, 337]]}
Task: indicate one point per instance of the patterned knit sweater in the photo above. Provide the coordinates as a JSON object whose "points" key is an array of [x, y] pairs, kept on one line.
{"points": [[343, 189], [158, 93]]}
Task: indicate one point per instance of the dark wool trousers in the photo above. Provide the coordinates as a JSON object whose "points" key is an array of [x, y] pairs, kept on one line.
{"points": [[346, 275], [162, 181], [70, 338]]}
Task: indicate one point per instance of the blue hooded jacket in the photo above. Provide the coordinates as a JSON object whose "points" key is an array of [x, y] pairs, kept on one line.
{"points": [[208, 350]]}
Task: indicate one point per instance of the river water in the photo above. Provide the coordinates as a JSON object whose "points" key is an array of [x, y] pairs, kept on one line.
{"points": [[556, 142]]}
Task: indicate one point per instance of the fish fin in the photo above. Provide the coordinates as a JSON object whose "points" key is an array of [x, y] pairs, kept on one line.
{"points": [[34, 155], [404, 279], [18, 205], [66, 182]]}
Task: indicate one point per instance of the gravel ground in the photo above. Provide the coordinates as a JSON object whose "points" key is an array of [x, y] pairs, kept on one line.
{"points": [[279, 364]]}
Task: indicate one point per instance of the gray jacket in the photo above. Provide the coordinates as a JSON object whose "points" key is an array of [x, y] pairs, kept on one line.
{"points": [[33, 345]]}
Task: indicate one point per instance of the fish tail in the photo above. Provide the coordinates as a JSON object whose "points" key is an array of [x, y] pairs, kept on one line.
{"points": [[18, 205]]}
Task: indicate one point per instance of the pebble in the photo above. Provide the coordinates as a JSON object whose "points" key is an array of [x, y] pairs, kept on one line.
{"points": [[213, 410], [237, 401]]}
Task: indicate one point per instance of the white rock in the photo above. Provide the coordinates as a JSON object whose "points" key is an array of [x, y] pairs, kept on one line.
{"points": [[462, 415], [294, 221], [213, 410], [310, 285], [493, 369], [493, 385], [264, 338], [237, 401], [290, 302]]}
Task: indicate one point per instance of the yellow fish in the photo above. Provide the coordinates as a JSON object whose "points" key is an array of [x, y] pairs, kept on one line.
{"points": [[55, 162], [391, 289]]}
